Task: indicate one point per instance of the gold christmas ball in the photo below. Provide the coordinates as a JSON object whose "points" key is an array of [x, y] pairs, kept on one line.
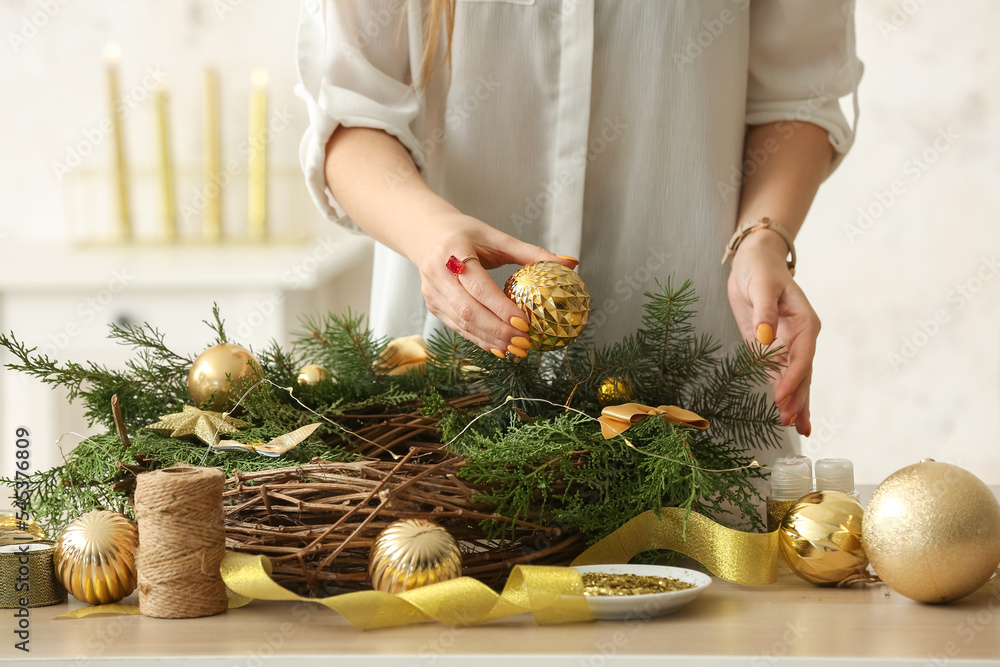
{"points": [[208, 374], [555, 301], [16, 531], [820, 537], [95, 557], [616, 390], [932, 532], [312, 374], [411, 553]]}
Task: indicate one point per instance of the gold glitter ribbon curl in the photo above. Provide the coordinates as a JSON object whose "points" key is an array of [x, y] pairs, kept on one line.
{"points": [[750, 559], [616, 419], [552, 594]]}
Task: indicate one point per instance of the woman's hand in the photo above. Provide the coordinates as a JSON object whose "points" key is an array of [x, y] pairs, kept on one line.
{"points": [[770, 306], [471, 303]]}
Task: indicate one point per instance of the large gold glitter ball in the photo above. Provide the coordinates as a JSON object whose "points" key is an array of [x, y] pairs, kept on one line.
{"points": [[95, 557], [555, 301], [312, 374], [820, 538], [614, 391], [207, 376], [16, 531], [932, 531], [411, 553]]}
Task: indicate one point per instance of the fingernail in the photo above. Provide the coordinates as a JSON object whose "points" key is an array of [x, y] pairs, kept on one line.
{"points": [[519, 324], [497, 353], [791, 422], [516, 351], [765, 334], [572, 259], [809, 430], [521, 341], [783, 401]]}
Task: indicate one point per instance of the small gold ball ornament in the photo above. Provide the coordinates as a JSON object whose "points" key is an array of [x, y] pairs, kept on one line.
{"points": [[411, 553], [820, 537], [312, 374], [555, 301], [208, 374], [932, 531], [95, 557], [614, 391]]}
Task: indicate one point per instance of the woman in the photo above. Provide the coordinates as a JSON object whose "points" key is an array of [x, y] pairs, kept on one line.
{"points": [[635, 135]]}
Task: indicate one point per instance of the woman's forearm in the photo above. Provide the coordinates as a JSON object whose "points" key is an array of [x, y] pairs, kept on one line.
{"points": [[374, 179], [784, 165]]}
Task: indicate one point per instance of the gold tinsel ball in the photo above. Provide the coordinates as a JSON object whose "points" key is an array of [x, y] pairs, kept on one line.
{"points": [[311, 374], [208, 374], [95, 557], [15, 531], [932, 531], [614, 391], [555, 301], [820, 537], [411, 553]]}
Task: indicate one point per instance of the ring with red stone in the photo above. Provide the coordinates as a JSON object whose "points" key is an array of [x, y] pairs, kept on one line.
{"points": [[456, 265]]}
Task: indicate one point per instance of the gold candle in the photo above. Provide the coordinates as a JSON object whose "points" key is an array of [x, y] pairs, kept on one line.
{"points": [[166, 164], [257, 160], [212, 218], [124, 228]]}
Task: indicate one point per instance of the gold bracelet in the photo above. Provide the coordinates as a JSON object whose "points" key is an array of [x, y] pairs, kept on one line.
{"points": [[748, 228]]}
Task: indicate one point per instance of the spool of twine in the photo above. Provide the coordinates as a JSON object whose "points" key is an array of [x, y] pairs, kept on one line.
{"points": [[182, 540]]}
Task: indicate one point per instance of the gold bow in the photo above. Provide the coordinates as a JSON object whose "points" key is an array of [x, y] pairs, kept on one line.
{"points": [[403, 355], [616, 419]]}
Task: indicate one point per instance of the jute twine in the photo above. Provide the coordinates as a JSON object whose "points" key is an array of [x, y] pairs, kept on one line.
{"points": [[182, 540]]}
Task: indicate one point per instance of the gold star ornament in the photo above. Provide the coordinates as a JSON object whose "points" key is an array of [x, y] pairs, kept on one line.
{"points": [[206, 425]]}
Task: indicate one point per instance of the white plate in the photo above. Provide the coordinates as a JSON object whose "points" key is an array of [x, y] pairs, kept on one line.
{"points": [[640, 607]]}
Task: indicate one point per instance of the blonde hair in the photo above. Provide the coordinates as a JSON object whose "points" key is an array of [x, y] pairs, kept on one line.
{"points": [[440, 13]]}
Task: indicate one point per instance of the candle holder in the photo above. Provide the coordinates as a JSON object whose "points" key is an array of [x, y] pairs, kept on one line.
{"points": [[91, 208]]}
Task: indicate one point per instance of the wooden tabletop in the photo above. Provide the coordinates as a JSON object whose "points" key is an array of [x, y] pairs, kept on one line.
{"points": [[729, 624]]}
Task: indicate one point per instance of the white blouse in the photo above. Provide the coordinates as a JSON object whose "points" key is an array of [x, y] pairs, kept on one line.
{"points": [[608, 130]]}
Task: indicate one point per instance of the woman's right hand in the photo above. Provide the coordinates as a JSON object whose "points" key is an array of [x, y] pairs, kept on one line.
{"points": [[471, 303]]}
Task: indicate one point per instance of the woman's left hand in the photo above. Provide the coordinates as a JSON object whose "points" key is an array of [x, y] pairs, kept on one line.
{"points": [[770, 306]]}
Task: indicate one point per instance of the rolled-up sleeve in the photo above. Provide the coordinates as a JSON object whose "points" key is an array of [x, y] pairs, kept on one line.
{"points": [[802, 61], [354, 70]]}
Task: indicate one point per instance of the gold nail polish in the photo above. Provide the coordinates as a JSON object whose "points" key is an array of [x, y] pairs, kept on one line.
{"points": [[572, 259], [521, 341], [809, 430], [519, 324], [782, 401], [516, 351], [497, 353], [791, 422], [765, 334]]}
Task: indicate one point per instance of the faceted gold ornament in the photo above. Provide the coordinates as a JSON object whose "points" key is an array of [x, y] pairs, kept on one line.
{"points": [[411, 553], [95, 557], [17, 531], [932, 531], [616, 390], [555, 301], [312, 374], [207, 376], [820, 537]]}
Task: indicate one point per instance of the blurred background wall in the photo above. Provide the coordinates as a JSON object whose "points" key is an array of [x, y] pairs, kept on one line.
{"points": [[898, 256]]}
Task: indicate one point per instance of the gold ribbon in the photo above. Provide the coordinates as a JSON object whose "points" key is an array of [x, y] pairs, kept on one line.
{"points": [[27, 575], [403, 355], [616, 419], [551, 594], [750, 559]]}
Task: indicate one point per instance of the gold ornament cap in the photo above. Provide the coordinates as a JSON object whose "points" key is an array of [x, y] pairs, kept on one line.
{"points": [[932, 532], [207, 376], [95, 557], [411, 553], [555, 301], [820, 537]]}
